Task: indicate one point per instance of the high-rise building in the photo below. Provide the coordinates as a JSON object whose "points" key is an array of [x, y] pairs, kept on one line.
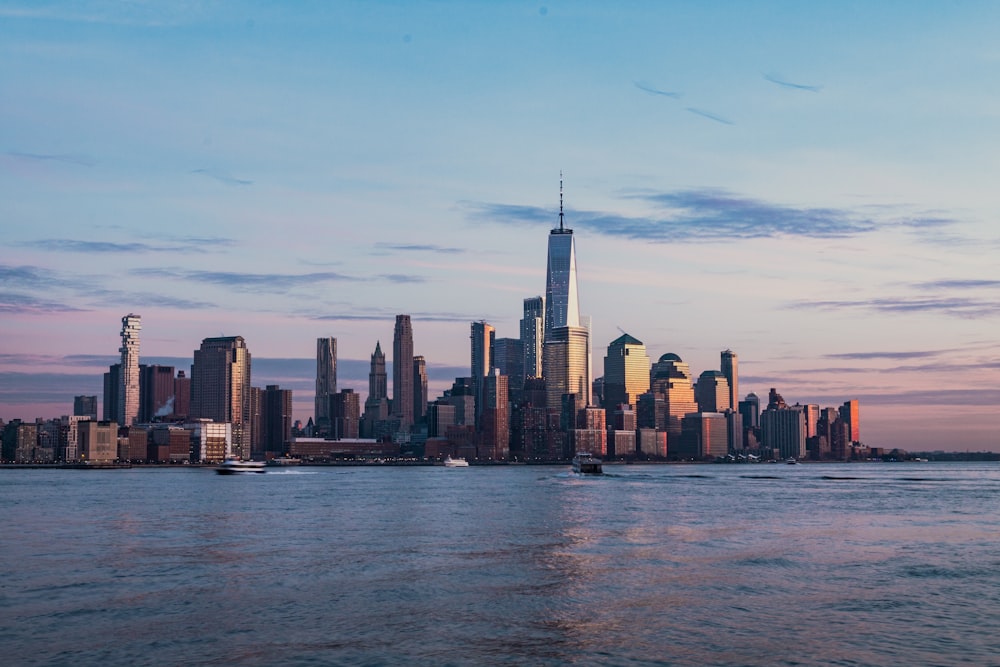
{"points": [[112, 388], [402, 372], [712, 392], [156, 389], [566, 350], [562, 304], [566, 366], [704, 435], [377, 403], [182, 395], [626, 372], [220, 387], [495, 418], [731, 369], [345, 414], [326, 380], [670, 378], [784, 431], [128, 389], [85, 406], [508, 358], [481, 338], [533, 335], [849, 413], [419, 388], [276, 419]]}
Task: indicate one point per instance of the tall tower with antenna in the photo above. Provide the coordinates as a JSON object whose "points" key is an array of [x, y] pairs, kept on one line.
{"points": [[566, 351]]}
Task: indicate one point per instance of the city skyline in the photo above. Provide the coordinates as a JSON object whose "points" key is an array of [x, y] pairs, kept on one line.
{"points": [[809, 186]]}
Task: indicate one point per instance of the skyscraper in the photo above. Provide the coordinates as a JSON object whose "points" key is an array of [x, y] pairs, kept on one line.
{"points": [[533, 335], [377, 403], [508, 358], [128, 389], [419, 388], [326, 380], [626, 372], [402, 372], [85, 406], [562, 304], [712, 393], [220, 387], [481, 337], [670, 378], [156, 390], [566, 366], [731, 369], [566, 363], [276, 420]]}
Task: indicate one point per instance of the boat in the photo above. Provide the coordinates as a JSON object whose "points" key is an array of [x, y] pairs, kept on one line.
{"points": [[791, 461], [457, 462], [238, 467], [585, 463]]}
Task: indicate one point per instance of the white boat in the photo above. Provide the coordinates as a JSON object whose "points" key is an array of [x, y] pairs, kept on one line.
{"points": [[792, 461], [238, 467], [284, 461], [457, 462], [585, 463]]}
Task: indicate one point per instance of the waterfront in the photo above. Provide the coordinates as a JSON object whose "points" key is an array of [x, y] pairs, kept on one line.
{"points": [[847, 564]]}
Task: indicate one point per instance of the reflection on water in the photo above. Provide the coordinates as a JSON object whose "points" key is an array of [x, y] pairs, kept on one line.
{"points": [[832, 564]]}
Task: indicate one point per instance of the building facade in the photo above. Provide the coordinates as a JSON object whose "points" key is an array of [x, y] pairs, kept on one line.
{"points": [[220, 388], [326, 380], [402, 372], [128, 388]]}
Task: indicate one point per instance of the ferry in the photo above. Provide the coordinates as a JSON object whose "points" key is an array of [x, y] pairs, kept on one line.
{"points": [[238, 467], [457, 462], [585, 463]]}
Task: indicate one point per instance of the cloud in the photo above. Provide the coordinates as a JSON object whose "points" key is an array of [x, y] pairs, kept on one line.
{"points": [[793, 86], [247, 281], [389, 317], [23, 304], [221, 176], [967, 308], [81, 160], [709, 116], [414, 247], [697, 215], [920, 354], [184, 244], [642, 85], [958, 284], [402, 278]]}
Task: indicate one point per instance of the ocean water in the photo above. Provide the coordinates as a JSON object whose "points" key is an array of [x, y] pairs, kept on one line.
{"points": [[839, 564]]}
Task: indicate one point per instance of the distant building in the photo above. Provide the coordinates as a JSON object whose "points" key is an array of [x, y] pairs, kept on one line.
{"points": [[377, 403], [276, 420], [704, 435], [402, 372], [533, 335], [508, 358], [182, 396], [481, 337], [345, 415], [626, 372], [783, 431], [112, 388], [419, 388], [156, 392], [850, 413], [128, 387], [712, 392], [220, 388], [326, 380], [731, 370], [98, 441], [494, 438], [85, 406], [670, 379]]}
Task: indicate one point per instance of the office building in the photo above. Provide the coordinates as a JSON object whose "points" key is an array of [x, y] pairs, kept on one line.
{"points": [[783, 431], [731, 369], [565, 360], [128, 385], [704, 435], [712, 392], [670, 379], [420, 397], [533, 335], [481, 337], [402, 372], [849, 413], [85, 406], [156, 391], [494, 431], [326, 380], [275, 421], [220, 388], [112, 388], [626, 372], [508, 358], [182, 396]]}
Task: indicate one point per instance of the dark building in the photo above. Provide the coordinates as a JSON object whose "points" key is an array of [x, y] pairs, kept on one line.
{"points": [[345, 415], [402, 372], [276, 420], [112, 382], [85, 406], [156, 392]]}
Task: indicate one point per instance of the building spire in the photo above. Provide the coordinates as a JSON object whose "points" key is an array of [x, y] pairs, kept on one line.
{"points": [[560, 200]]}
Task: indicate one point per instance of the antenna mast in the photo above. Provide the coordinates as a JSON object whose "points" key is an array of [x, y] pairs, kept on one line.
{"points": [[560, 200]]}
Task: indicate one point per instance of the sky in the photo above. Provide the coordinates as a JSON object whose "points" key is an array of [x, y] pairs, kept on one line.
{"points": [[811, 185]]}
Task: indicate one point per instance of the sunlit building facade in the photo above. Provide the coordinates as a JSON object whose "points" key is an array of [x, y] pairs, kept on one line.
{"points": [[566, 363], [220, 388], [626, 372], [731, 369], [128, 388]]}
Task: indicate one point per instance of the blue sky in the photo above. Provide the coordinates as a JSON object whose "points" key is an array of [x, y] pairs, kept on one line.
{"points": [[809, 184]]}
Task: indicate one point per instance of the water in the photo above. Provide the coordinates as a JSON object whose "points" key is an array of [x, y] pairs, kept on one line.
{"points": [[862, 564]]}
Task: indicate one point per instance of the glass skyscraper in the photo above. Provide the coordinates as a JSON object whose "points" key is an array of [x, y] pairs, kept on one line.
{"points": [[128, 388]]}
